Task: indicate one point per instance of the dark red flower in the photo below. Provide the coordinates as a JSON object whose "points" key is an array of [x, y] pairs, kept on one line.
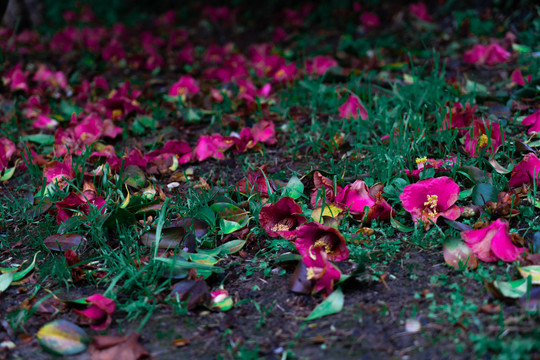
{"points": [[281, 218], [312, 236]]}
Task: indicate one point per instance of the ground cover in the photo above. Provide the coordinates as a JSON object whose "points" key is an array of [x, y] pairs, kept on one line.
{"points": [[336, 180]]}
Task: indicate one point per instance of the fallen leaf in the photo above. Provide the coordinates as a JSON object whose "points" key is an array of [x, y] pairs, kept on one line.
{"points": [[61, 337], [117, 348]]}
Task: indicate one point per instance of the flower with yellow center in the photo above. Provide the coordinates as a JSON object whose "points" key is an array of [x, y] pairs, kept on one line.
{"points": [[432, 203], [483, 140], [116, 113]]}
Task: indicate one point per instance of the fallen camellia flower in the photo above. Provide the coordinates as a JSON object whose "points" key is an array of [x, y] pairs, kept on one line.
{"points": [[78, 203], [428, 199], [484, 134], [99, 314], [425, 163], [370, 20], [323, 185], [281, 218], [356, 197], [186, 85], [533, 121], [320, 64], [8, 149], [313, 235], [353, 108], [257, 181], [493, 243], [517, 77], [491, 54], [320, 270], [459, 118], [420, 11], [211, 147], [526, 171]]}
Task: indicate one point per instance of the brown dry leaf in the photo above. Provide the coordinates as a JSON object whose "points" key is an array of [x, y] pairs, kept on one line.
{"points": [[117, 348], [181, 342]]}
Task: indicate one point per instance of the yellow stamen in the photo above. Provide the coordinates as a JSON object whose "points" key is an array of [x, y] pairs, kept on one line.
{"points": [[483, 140], [432, 203], [310, 273], [116, 113], [181, 91], [280, 227], [280, 74], [421, 160]]}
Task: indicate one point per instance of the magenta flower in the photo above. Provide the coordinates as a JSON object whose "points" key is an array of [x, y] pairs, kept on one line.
{"points": [[286, 73], [356, 197], [99, 314], [517, 77], [320, 64], [320, 270], [493, 243], [460, 118], [74, 203], [428, 199], [324, 188], [313, 235], [353, 108], [185, 86], [56, 171], [491, 54], [7, 149], [484, 134], [257, 181], [281, 218], [370, 20], [180, 149], [425, 163], [533, 121], [211, 147], [420, 11], [45, 122], [526, 171]]}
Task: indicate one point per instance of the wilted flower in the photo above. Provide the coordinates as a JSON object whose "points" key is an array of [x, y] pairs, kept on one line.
{"points": [[99, 314], [320, 270], [281, 218], [257, 181], [491, 54], [430, 198], [533, 121], [353, 108], [185, 86], [356, 197], [420, 11], [484, 134], [313, 235], [324, 188], [493, 243], [526, 171]]}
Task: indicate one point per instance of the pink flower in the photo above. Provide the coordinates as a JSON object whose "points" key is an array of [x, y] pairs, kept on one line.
{"points": [[493, 243], [328, 188], [491, 54], [74, 203], [185, 86], [286, 73], [370, 20], [320, 64], [313, 235], [281, 218], [420, 11], [320, 270], [56, 171], [211, 147], [517, 77], [180, 149], [45, 122], [428, 199], [353, 108], [484, 134], [99, 314], [356, 197], [533, 121], [16, 79], [424, 163], [459, 118], [7, 149], [526, 171], [257, 181]]}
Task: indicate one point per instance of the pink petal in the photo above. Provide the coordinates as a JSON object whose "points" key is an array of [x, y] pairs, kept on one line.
{"points": [[353, 108]]}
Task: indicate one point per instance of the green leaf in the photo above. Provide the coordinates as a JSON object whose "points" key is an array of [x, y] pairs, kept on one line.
{"points": [[5, 280], [331, 305], [61, 337], [465, 193], [231, 226], [179, 264], [294, 188], [511, 289], [21, 274], [483, 193], [41, 139], [8, 174], [399, 226], [230, 247], [230, 212]]}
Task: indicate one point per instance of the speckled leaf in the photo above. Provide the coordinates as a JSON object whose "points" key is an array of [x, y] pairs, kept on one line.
{"points": [[61, 337]]}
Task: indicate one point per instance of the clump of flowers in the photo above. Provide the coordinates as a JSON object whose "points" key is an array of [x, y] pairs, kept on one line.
{"points": [[429, 199], [493, 242]]}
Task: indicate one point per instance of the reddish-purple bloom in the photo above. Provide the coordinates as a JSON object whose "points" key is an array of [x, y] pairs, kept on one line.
{"points": [[257, 181], [185, 86], [353, 108], [320, 64], [533, 121], [460, 118], [320, 270], [7, 149], [428, 199], [281, 218], [425, 163], [356, 197], [99, 314], [324, 188], [493, 243], [420, 11], [370, 20], [491, 54], [484, 134], [526, 171], [211, 147], [313, 235]]}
